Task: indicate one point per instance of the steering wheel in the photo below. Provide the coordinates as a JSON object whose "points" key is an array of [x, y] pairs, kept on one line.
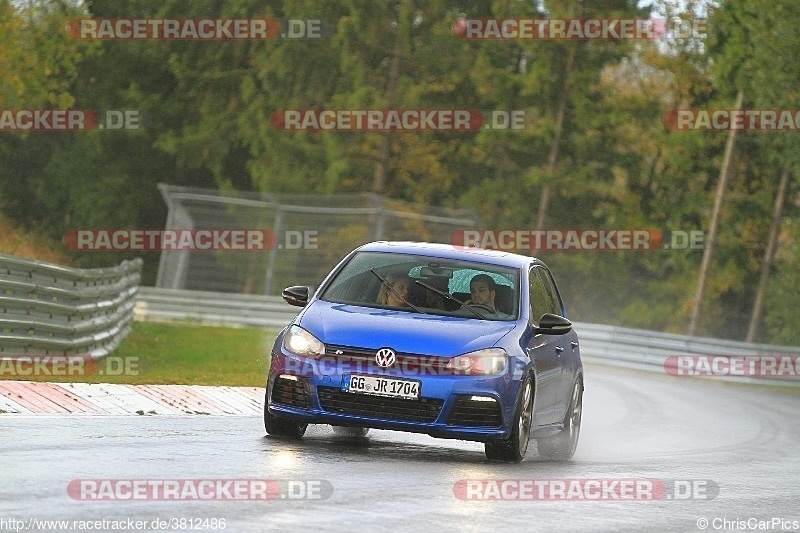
{"points": [[482, 306]]}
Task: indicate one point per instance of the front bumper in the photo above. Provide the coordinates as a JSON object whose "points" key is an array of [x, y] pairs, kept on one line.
{"points": [[301, 389]]}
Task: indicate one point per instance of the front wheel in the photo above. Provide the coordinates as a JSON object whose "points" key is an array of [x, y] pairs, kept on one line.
{"points": [[282, 427], [512, 450], [562, 445]]}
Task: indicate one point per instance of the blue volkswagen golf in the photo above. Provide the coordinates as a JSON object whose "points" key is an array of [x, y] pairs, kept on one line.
{"points": [[454, 342]]}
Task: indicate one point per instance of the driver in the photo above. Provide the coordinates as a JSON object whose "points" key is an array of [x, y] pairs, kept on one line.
{"points": [[482, 291]]}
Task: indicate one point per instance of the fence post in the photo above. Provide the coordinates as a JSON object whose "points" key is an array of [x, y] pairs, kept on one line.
{"points": [[273, 254]]}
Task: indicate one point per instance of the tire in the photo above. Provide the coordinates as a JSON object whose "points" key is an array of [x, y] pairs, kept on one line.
{"points": [[350, 432], [282, 427], [561, 447], [512, 450]]}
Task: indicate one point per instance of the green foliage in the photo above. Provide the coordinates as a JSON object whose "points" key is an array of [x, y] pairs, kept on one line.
{"points": [[783, 291], [208, 107], [185, 354]]}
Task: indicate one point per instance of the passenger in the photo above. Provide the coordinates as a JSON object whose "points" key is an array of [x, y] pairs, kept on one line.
{"points": [[401, 284]]}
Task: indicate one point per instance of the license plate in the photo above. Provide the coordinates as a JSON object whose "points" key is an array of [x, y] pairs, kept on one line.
{"points": [[380, 386]]}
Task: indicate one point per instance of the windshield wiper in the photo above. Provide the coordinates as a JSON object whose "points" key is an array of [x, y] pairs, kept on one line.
{"points": [[389, 286], [450, 297]]}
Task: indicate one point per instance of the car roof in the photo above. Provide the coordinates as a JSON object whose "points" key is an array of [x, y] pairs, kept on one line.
{"points": [[450, 251]]}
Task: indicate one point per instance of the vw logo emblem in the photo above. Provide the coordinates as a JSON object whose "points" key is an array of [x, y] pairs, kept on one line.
{"points": [[385, 357]]}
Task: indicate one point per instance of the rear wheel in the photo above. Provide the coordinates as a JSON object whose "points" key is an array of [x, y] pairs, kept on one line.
{"points": [[561, 446], [282, 427], [512, 450]]}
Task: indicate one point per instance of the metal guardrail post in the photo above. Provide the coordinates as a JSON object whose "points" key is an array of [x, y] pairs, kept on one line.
{"points": [[273, 254]]}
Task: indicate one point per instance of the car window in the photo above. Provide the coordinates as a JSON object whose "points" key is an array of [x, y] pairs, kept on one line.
{"points": [[360, 282], [538, 300], [356, 283], [550, 297]]}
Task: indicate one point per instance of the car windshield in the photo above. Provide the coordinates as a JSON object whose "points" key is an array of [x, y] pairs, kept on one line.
{"points": [[427, 285]]}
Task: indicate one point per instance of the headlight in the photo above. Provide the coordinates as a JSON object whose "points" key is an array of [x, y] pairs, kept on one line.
{"points": [[300, 342], [480, 363]]}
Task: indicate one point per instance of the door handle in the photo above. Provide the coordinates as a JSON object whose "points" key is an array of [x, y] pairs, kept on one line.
{"points": [[559, 349], [574, 344]]}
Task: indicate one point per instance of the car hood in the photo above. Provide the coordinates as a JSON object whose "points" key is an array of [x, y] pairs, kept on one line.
{"points": [[403, 331]]}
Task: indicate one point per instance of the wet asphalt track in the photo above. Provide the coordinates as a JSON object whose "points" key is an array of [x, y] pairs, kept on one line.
{"points": [[743, 439]]}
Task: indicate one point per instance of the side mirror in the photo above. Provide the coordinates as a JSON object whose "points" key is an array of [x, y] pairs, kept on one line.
{"points": [[551, 324], [297, 295]]}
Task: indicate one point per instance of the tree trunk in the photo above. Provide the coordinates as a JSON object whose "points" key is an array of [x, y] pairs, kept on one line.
{"points": [[769, 255], [714, 223], [382, 165], [552, 158]]}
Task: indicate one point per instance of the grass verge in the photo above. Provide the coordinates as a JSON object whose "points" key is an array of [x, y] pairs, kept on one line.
{"points": [[159, 353]]}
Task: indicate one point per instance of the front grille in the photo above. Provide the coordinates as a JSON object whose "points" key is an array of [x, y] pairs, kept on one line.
{"points": [[407, 362], [348, 352], [291, 392], [423, 410], [467, 412]]}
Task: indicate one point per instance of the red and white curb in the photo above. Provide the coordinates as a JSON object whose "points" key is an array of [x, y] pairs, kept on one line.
{"points": [[25, 397]]}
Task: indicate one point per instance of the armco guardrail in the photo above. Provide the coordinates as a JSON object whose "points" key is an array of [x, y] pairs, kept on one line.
{"points": [[649, 350], [47, 309], [610, 345], [213, 308]]}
